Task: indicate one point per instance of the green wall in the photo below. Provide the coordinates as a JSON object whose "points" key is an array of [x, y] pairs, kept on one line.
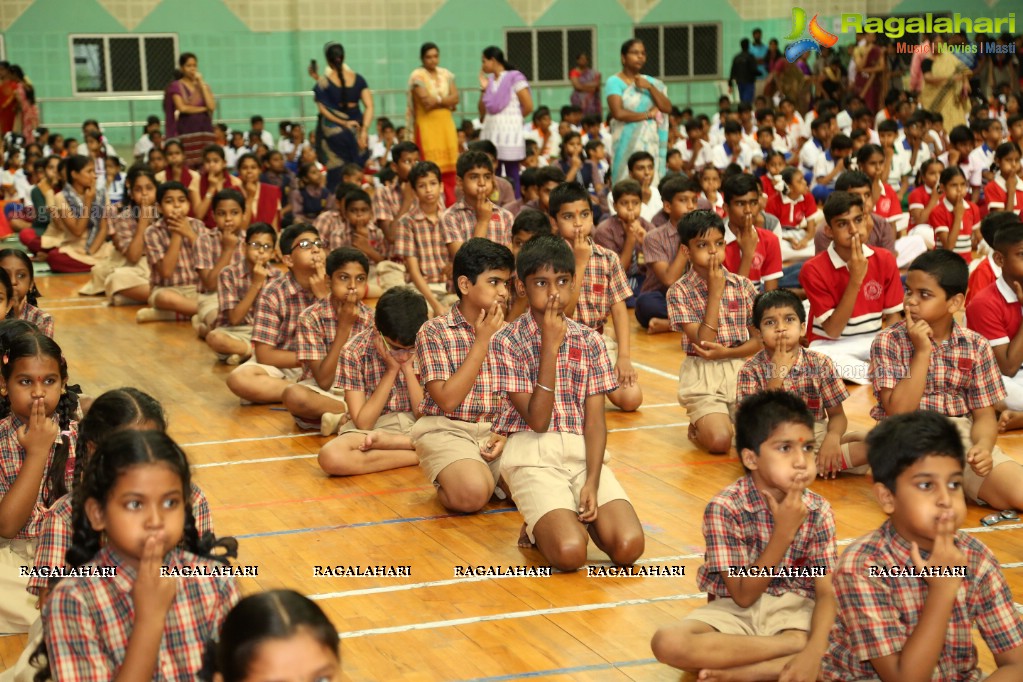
{"points": [[235, 59]]}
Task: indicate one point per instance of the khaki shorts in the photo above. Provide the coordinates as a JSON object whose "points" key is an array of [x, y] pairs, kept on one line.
{"points": [[385, 275], [392, 422], [820, 429], [242, 332], [187, 291], [547, 471], [441, 441], [768, 616], [334, 392], [971, 481], [208, 307], [708, 386], [292, 374], [17, 606]]}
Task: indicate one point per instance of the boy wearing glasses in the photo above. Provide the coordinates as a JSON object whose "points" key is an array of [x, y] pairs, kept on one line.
{"points": [[323, 330], [238, 289], [274, 365], [382, 388]]}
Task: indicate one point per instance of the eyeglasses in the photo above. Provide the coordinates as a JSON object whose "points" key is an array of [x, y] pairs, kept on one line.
{"points": [[306, 244], [397, 350], [260, 246]]}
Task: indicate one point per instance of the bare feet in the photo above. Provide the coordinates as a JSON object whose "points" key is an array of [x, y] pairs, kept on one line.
{"points": [[1010, 421], [692, 433], [524, 541], [658, 325]]}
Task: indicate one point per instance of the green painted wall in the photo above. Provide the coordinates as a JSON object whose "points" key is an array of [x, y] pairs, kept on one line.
{"points": [[237, 60]]}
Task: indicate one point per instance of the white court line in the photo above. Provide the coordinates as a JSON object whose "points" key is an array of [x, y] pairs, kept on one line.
{"points": [[654, 370], [285, 458], [516, 614], [466, 579], [77, 307]]}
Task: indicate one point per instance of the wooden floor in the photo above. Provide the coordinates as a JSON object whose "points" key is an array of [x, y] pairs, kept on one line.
{"points": [[260, 475]]}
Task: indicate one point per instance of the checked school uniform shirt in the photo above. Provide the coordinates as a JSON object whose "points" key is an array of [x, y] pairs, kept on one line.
{"points": [[335, 232], [123, 228], [737, 525], [604, 284], [42, 320], [55, 538], [687, 302], [660, 245], [88, 621], [208, 248], [12, 457], [442, 345], [876, 615], [234, 282], [277, 311], [317, 327], [417, 237], [813, 378], [611, 235], [583, 369], [157, 238], [962, 375], [459, 223], [361, 369], [825, 277]]}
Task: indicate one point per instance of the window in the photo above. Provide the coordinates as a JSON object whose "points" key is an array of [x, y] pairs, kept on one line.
{"points": [[103, 64], [546, 55], [682, 50]]}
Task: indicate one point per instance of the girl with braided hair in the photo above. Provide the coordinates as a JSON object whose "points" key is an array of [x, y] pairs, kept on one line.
{"points": [[37, 453]]}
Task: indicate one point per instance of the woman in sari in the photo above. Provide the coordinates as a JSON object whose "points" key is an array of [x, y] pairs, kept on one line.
{"points": [[432, 97], [946, 88], [870, 65], [505, 101], [8, 104], [25, 95], [187, 107], [585, 86], [342, 128], [639, 113]]}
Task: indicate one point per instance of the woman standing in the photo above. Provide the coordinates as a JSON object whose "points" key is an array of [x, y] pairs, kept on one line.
{"points": [[25, 95], [639, 106], [187, 106], [8, 104], [946, 85], [870, 66], [342, 128], [504, 100], [432, 97], [585, 86]]}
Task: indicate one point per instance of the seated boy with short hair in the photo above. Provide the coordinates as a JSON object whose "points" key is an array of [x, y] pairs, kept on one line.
{"points": [[600, 288], [323, 330], [852, 289], [475, 215], [780, 320], [750, 251], [274, 365], [215, 249], [894, 627], [239, 287], [529, 223], [931, 362], [378, 375], [457, 448], [714, 309], [555, 373], [665, 258], [420, 240], [624, 233], [770, 548]]}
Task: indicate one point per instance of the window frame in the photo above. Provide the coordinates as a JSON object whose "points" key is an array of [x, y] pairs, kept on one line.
{"points": [[687, 25], [569, 65], [108, 74]]}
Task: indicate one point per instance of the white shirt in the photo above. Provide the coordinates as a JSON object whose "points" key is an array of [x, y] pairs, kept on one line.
{"points": [[143, 146], [265, 137], [904, 154], [721, 157], [703, 157], [981, 159], [809, 153]]}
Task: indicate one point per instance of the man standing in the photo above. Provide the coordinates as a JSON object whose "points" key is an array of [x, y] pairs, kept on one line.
{"points": [[744, 72]]}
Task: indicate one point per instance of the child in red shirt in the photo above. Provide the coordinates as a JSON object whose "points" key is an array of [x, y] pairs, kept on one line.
{"points": [[953, 219], [797, 211], [1005, 192]]}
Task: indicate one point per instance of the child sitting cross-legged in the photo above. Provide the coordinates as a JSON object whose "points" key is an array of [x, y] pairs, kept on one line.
{"points": [[897, 627], [756, 626], [555, 372], [323, 330], [382, 389], [780, 320]]}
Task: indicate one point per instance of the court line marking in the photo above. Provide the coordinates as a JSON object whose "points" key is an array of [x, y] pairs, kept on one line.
{"points": [[365, 524], [77, 307], [469, 579], [654, 370], [566, 671], [250, 439]]}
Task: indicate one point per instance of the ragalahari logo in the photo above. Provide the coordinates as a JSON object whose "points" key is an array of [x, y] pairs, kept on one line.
{"points": [[818, 36]]}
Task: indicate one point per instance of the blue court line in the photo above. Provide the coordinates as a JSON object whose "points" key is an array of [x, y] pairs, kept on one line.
{"points": [[566, 671], [364, 524]]}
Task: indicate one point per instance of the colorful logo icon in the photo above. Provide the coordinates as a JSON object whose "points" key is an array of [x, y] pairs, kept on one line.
{"points": [[818, 36]]}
